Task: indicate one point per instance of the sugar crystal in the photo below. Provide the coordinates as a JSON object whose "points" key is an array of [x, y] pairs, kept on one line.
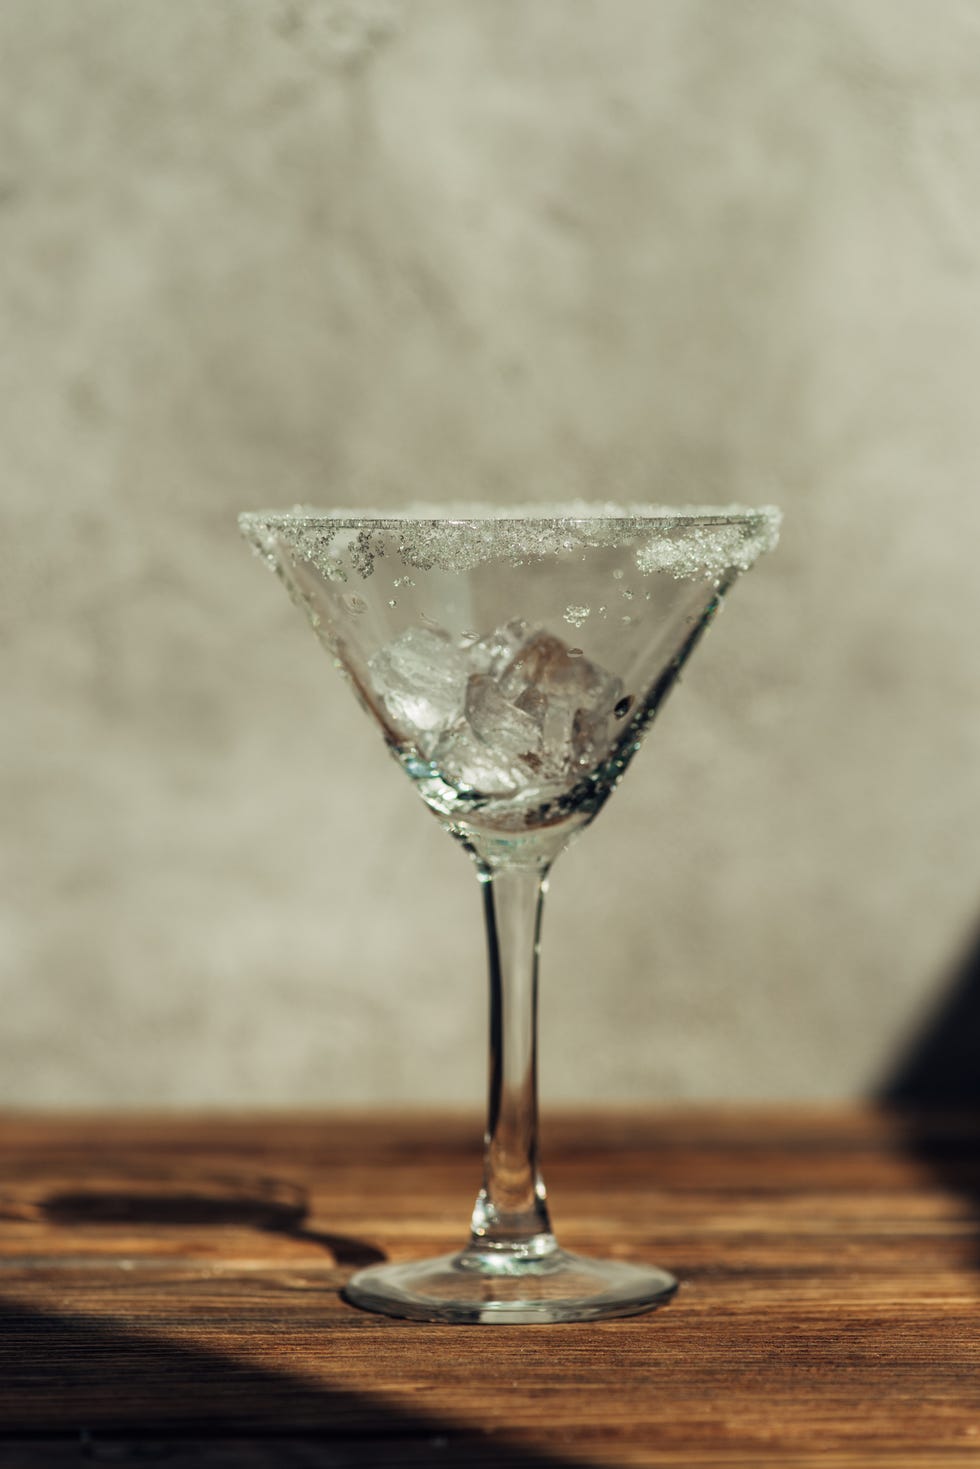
{"points": [[688, 542]]}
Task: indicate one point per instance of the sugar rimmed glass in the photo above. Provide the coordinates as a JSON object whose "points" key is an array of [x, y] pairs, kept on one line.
{"points": [[513, 662]]}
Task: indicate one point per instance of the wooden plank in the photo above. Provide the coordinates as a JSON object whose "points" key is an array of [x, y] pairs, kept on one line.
{"points": [[172, 1280]]}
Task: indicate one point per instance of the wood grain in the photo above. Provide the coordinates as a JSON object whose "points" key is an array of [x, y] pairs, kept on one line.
{"points": [[170, 1288]]}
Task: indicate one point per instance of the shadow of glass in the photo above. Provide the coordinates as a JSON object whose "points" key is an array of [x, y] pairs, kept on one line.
{"points": [[75, 1387], [934, 1088], [275, 1209]]}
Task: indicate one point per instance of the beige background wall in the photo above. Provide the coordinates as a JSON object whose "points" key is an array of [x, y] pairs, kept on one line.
{"points": [[255, 251]]}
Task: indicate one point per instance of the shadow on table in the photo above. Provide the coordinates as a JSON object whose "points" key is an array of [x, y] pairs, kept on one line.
{"points": [[935, 1086], [75, 1388], [275, 1209], [78, 1387]]}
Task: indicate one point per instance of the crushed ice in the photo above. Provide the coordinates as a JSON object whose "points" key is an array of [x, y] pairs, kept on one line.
{"points": [[515, 709]]}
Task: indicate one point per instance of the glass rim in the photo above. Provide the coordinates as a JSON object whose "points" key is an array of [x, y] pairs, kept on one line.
{"points": [[665, 516]]}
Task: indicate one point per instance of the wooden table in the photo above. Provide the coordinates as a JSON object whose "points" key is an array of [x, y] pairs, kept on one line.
{"points": [[170, 1293]]}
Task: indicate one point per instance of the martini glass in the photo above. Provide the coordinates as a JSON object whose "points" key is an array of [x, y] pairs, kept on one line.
{"points": [[513, 662]]}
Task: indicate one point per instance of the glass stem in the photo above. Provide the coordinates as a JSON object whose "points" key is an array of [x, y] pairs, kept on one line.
{"points": [[511, 1213]]}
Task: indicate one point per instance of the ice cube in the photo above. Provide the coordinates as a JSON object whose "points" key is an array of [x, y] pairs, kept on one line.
{"points": [[421, 680], [504, 728], [546, 664], [570, 698], [493, 749], [467, 763], [491, 654]]}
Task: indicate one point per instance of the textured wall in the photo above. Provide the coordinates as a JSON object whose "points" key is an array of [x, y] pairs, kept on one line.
{"points": [[298, 249]]}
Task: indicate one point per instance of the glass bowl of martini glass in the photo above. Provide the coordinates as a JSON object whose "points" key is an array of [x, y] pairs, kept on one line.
{"points": [[513, 661]]}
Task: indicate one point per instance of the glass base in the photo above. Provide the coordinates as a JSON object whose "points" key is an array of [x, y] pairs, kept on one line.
{"points": [[478, 1287]]}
